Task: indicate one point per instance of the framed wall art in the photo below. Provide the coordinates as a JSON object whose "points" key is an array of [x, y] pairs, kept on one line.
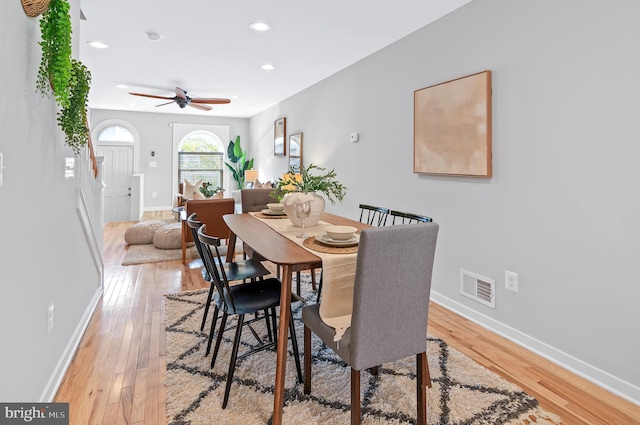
{"points": [[295, 152], [452, 127], [279, 134]]}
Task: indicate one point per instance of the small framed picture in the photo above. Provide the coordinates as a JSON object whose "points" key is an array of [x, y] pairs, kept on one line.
{"points": [[279, 133]]}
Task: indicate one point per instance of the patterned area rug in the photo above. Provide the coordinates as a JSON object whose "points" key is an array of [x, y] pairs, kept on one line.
{"points": [[463, 392]]}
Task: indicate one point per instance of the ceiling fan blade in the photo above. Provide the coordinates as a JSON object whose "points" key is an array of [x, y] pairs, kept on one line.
{"points": [[181, 93], [162, 104], [201, 107], [150, 95], [212, 101]]}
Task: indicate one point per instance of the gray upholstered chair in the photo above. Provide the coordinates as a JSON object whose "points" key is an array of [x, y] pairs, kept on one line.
{"points": [[390, 308], [256, 199]]}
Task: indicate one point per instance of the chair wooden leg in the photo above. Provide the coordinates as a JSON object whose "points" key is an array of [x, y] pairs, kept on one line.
{"points": [[313, 279], [355, 397], [234, 357], [423, 380], [307, 360]]}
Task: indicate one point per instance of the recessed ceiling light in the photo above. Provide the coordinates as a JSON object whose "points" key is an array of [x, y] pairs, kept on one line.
{"points": [[152, 36], [268, 67], [97, 44], [260, 26], [122, 86]]}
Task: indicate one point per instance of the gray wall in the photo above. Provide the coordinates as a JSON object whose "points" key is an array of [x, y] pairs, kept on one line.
{"points": [[45, 257], [156, 134], [562, 207]]}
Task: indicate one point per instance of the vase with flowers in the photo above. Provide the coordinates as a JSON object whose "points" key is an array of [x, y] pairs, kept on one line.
{"points": [[313, 184]]}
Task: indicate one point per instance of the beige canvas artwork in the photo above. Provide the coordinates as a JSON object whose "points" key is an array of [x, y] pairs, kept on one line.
{"points": [[452, 127]]}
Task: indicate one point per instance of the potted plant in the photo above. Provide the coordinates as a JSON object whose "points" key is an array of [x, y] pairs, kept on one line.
{"points": [[238, 162], [209, 191], [66, 78], [313, 184]]}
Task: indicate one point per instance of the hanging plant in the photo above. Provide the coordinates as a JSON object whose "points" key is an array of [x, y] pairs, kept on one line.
{"points": [[67, 78], [72, 118], [55, 66]]}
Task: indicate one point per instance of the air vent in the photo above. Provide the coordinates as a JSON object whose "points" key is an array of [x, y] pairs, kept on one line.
{"points": [[478, 288]]}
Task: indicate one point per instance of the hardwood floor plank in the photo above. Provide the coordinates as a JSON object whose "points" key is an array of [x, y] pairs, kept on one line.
{"points": [[118, 373]]}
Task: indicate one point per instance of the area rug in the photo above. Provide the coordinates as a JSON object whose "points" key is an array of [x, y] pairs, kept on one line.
{"points": [[148, 253], [463, 392]]}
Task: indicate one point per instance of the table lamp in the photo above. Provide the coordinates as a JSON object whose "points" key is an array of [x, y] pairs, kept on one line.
{"points": [[250, 176]]}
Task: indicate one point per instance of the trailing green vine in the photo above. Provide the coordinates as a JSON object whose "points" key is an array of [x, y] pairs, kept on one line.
{"points": [[55, 66], [68, 78], [72, 118]]}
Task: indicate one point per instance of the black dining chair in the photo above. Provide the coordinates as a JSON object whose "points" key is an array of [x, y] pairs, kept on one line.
{"points": [[408, 218], [240, 300], [388, 330], [374, 216], [238, 270]]}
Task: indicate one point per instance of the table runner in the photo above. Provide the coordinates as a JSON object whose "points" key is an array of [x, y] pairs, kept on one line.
{"points": [[338, 273]]}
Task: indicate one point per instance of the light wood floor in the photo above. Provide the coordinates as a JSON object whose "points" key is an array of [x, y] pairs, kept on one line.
{"points": [[118, 373]]}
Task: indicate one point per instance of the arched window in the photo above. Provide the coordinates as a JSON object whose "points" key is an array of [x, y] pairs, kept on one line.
{"points": [[115, 133], [201, 157]]}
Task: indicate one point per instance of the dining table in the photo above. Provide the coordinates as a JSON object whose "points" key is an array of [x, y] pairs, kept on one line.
{"points": [[292, 256]]}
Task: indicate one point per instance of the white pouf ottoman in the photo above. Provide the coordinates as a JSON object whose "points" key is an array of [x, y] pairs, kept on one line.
{"points": [[168, 237], [142, 233]]}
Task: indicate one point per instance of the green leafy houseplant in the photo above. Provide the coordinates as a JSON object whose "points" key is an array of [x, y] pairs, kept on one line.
{"points": [[208, 190], [55, 66], [72, 118], [68, 79], [320, 180], [238, 161]]}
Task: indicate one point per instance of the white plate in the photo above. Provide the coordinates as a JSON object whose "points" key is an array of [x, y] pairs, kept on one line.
{"points": [[325, 239], [269, 212]]}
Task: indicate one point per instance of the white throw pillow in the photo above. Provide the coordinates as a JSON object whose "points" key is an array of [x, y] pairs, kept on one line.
{"points": [[191, 188]]}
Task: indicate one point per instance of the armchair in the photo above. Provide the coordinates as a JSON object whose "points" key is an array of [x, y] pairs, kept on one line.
{"points": [[209, 212]]}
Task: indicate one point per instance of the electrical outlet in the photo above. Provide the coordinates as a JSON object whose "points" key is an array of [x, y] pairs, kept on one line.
{"points": [[511, 281], [50, 318], [154, 194]]}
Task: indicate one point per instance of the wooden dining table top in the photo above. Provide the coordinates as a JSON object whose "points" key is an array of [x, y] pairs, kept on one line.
{"points": [[292, 257]]}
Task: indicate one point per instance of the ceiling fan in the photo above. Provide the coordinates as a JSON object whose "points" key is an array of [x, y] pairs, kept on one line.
{"points": [[183, 100]]}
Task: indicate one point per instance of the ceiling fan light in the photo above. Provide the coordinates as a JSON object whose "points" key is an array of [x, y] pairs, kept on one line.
{"points": [[268, 67], [260, 26]]}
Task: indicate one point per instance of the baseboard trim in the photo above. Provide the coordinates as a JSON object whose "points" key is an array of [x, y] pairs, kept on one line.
{"points": [[587, 371], [157, 209], [60, 370]]}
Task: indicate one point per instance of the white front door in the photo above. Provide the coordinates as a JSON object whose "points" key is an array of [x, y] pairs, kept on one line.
{"points": [[118, 168]]}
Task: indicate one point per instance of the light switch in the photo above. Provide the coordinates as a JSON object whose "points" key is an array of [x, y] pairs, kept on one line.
{"points": [[354, 137], [69, 166]]}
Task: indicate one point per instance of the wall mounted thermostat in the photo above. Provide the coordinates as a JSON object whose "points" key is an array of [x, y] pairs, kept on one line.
{"points": [[354, 137]]}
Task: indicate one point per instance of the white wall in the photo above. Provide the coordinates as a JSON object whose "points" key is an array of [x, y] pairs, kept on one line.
{"points": [[563, 204], [156, 135], [44, 257]]}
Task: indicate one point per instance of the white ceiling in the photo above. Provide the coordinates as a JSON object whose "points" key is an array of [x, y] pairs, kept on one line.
{"points": [[208, 49]]}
